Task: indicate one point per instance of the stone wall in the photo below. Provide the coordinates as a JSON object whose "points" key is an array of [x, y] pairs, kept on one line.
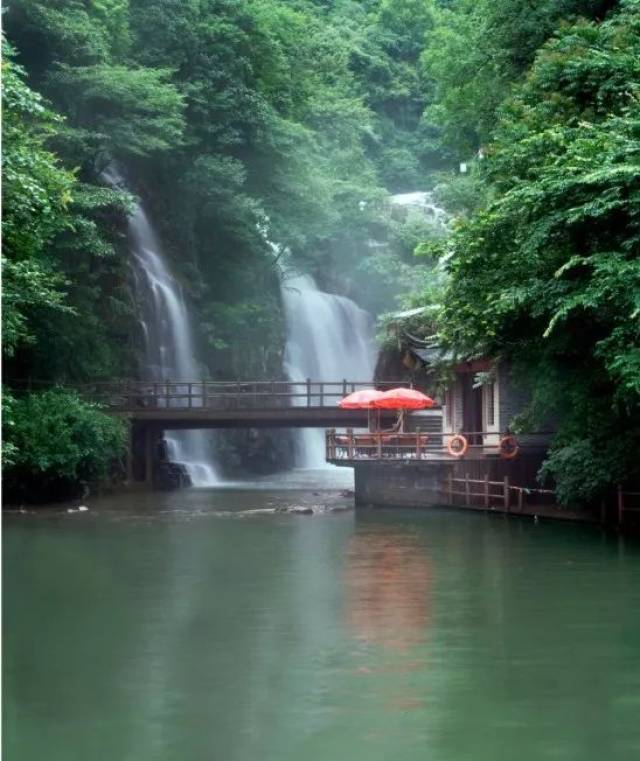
{"points": [[425, 484], [400, 484], [420, 484]]}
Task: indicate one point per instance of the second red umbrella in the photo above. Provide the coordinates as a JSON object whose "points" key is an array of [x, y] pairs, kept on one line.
{"points": [[403, 399]]}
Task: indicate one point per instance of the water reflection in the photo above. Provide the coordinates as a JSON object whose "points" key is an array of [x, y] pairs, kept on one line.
{"points": [[388, 586]]}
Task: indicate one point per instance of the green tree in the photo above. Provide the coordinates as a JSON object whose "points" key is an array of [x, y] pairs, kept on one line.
{"points": [[37, 195], [475, 54], [62, 276], [49, 438], [131, 111], [548, 274]]}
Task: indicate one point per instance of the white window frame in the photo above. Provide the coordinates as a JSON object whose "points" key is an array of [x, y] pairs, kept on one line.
{"points": [[448, 411], [492, 428]]}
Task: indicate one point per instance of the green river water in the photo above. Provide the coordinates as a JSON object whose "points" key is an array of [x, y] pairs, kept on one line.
{"points": [[203, 626]]}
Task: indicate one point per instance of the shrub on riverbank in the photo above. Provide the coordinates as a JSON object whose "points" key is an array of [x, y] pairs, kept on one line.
{"points": [[54, 444]]}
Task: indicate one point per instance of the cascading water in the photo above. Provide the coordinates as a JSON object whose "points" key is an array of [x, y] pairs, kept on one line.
{"points": [[421, 204], [422, 201], [328, 338], [169, 350]]}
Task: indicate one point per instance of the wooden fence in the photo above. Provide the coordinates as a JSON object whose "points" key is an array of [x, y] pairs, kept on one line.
{"points": [[481, 492]]}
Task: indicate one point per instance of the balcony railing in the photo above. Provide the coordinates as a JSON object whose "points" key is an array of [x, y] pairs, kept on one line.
{"points": [[418, 445]]}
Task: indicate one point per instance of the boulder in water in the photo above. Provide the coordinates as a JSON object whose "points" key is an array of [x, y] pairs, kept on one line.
{"points": [[302, 510], [172, 475], [295, 510]]}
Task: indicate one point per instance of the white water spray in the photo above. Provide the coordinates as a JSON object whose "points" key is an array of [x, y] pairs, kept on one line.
{"points": [[424, 204], [328, 338], [169, 350]]}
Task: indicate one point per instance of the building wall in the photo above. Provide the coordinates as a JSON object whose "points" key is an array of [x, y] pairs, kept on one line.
{"points": [[513, 397], [427, 421]]}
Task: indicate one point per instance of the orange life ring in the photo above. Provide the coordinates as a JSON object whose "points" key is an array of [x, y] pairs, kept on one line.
{"points": [[509, 447], [457, 445]]}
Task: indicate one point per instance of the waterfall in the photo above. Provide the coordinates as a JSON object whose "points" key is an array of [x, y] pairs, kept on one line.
{"points": [[169, 349], [328, 338]]}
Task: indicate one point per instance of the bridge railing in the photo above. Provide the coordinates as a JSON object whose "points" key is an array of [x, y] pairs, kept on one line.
{"points": [[224, 395]]}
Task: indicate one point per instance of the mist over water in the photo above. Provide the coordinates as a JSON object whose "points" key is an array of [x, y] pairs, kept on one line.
{"points": [[423, 202], [329, 337], [169, 349]]}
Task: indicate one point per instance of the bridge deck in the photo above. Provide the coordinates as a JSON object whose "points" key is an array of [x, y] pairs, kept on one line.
{"points": [[278, 417], [213, 404]]}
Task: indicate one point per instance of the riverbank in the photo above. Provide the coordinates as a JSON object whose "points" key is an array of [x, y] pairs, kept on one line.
{"points": [[376, 485], [480, 486], [312, 491]]}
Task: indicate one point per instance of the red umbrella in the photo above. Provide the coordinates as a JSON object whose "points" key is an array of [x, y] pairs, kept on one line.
{"points": [[403, 399], [360, 400]]}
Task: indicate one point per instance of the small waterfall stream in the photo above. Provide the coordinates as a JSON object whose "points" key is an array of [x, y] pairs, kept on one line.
{"points": [[169, 348], [423, 202]]}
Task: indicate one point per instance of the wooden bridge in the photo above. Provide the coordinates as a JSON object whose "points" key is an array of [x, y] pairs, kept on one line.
{"points": [[171, 405], [155, 407]]}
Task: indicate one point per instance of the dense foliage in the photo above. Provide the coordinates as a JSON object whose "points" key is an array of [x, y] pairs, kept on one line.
{"points": [[226, 114], [228, 118], [50, 237], [60, 315], [546, 273], [478, 50], [297, 118], [54, 443], [37, 193]]}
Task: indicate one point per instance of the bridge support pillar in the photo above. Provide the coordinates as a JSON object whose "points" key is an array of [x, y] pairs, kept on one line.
{"points": [[129, 455], [149, 446]]}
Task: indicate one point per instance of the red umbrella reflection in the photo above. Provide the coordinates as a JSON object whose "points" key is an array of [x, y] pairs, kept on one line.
{"points": [[388, 583]]}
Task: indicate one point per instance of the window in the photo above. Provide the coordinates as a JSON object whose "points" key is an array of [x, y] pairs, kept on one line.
{"points": [[491, 403]]}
